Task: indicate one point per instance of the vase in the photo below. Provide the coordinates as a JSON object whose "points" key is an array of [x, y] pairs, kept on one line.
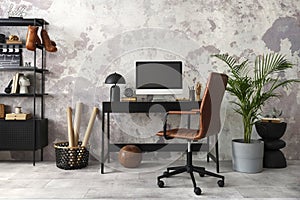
{"points": [[247, 157]]}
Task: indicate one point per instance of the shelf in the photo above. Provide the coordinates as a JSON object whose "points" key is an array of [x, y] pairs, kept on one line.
{"points": [[23, 69], [31, 134], [19, 21], [22, 95]]}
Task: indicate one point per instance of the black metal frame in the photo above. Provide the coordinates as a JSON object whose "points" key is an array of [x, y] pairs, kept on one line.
{"points": [[144, 107]]}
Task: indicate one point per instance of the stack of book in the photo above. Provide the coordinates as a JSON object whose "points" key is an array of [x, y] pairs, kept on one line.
{"points": [[19, 116], [273, 120], [128, 99], [15, 83]]}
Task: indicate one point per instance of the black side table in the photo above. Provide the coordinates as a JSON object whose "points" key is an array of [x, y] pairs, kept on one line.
{"points": [[271, 134]]}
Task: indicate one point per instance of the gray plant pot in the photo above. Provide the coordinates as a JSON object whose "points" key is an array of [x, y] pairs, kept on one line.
{"points": [[247, 157]]}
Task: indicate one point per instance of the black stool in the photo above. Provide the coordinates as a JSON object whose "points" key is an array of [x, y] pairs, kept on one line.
{"points": [[271, 134]]}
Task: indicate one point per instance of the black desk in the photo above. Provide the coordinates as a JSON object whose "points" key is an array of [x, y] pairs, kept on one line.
{"points": [[143, 107]]}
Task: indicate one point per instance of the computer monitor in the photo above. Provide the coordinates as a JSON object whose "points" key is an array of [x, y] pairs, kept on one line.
{"points": [[159, 77]]}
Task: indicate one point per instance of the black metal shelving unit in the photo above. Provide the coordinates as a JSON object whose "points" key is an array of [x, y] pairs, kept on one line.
{"points": [[29, 134]]}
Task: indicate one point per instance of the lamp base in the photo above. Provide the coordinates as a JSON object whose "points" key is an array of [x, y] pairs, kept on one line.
{"points": [[115, 93]]}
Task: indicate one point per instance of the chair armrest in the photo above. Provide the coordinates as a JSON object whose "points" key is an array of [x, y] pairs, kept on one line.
{"points": [[192, 112]]}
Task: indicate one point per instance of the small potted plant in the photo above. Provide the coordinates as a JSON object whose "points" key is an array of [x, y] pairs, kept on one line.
{"points": [[253, 85]]}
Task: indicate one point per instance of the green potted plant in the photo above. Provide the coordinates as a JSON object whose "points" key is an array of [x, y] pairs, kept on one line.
{"points": [[253, 85]]}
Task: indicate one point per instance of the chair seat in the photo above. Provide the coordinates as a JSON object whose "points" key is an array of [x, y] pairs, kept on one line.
{"points": [[182, 133]]}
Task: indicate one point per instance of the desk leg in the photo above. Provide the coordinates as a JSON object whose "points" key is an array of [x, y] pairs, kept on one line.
{"points": [[108, 137], [102, 147]]}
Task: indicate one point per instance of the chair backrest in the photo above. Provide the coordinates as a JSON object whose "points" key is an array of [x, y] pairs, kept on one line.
{"points": [[210, 122]]}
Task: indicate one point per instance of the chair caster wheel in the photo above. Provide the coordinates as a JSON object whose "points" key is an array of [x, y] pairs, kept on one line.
{"points": [[166, 174], [201, 175], [160, 184], [221, 183], [197, 190]]}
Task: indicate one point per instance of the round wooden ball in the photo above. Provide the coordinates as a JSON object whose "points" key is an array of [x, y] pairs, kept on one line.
{"points": [[130, 156]]}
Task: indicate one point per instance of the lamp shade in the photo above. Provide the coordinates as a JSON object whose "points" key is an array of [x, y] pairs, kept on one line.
{"points": [[115, 78]]}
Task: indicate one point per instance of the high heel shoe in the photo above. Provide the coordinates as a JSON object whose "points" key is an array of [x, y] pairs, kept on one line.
{"points": [[49, 45], [31, 37]]}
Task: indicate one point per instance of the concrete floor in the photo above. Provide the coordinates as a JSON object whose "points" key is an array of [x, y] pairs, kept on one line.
{"points": [[20, 180]]}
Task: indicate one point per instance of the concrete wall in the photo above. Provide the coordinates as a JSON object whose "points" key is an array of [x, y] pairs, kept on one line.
{"points": [[95, 38]]}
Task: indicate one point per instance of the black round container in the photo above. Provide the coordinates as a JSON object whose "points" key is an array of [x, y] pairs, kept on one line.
{"points": [[71, 157]]}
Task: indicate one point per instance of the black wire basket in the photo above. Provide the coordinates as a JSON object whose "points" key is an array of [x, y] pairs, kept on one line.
{"points": [[71, 157]]}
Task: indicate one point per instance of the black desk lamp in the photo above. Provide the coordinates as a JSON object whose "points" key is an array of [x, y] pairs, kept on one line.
{"points": [[115, 79]]}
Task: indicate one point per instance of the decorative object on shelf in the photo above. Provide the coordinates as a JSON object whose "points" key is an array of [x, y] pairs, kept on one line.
{"points": [[128, 92], [17, 116], [18, 110], [115, 79], [271, 133], [130, 156], [192, 94], [15, 84], [49, 45], [7, 90], [198, 91], [13, 39], [2, 38], [2, 111], [129, 99], [24, 84], [10, 55], [31, 37], [27, 64]]}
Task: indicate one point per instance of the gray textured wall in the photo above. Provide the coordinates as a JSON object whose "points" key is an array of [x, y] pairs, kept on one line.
{"points": [[95, 38]]}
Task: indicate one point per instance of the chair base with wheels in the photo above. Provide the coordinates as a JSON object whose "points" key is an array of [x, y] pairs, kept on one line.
{"points": [[189, 168]]}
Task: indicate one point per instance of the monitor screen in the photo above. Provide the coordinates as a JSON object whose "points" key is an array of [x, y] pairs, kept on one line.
{"points": [[159, 77]]}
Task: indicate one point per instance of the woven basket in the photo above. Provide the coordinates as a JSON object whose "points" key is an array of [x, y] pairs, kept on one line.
{"points": [[71, 157], [2, 111]]}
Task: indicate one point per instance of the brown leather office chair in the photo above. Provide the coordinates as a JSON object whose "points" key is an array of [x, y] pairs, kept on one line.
{"points": [[209, 124]]}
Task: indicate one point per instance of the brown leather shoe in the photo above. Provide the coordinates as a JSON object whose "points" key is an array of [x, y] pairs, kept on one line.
{"points": [[47, 42], [38, 41], [31, 37]]}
